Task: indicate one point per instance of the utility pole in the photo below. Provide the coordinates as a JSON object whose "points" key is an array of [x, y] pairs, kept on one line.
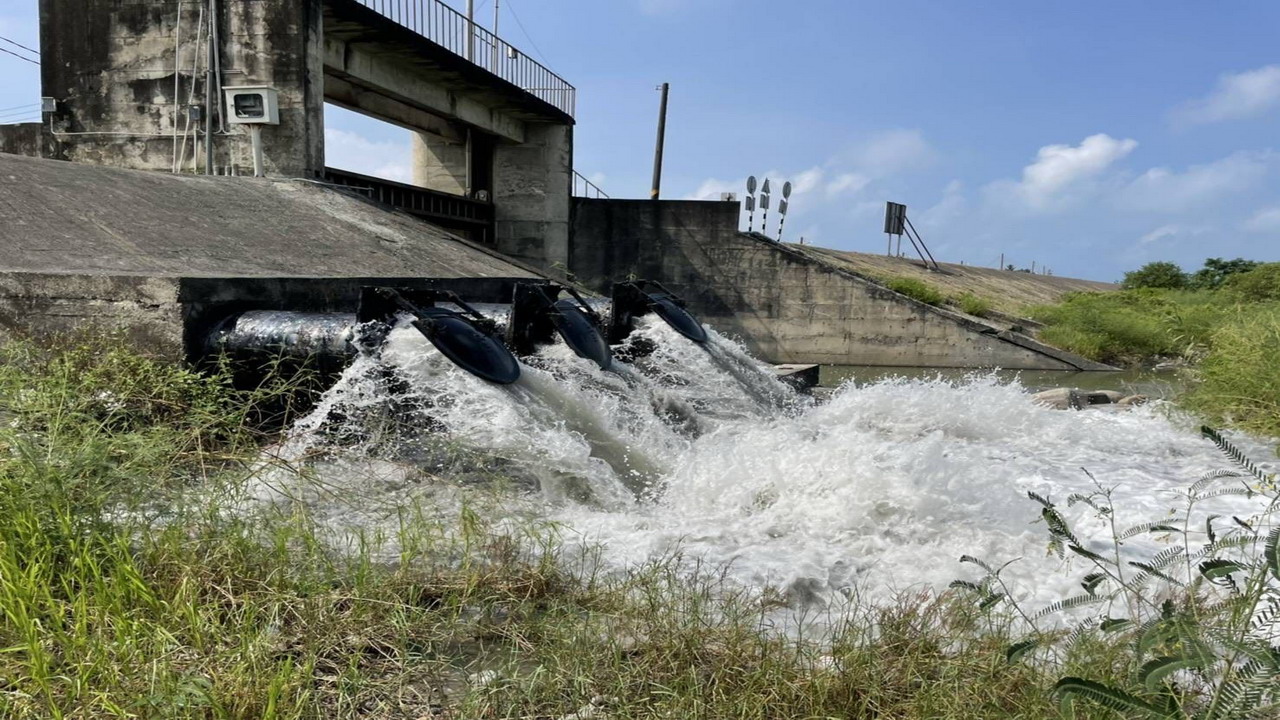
{"points": [[471, 30], [662, 136]]}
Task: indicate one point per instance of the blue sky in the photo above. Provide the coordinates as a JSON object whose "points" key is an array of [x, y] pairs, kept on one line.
{"points": [[1090, 137]]}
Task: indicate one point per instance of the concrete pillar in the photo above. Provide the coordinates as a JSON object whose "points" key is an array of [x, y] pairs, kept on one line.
{"points": [[439, 164], [111, 66], [279, 43], [532, 183]]}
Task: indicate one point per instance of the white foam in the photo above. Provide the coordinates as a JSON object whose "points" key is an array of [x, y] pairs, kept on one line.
{"points": [[877, 491]]}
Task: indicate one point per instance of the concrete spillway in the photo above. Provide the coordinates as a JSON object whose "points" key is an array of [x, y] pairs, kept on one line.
{"points": [[158, 254], [790, 304]]}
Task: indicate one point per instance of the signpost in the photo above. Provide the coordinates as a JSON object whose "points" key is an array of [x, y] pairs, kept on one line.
{"points": [[782, 208]]}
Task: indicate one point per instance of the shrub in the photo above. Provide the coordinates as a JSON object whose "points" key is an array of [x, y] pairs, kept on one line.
{"points": [[1239, 378], [1216, 271], [1163, 275], [1117, 328], [1261, 284], [973, 305], [916, 289]]}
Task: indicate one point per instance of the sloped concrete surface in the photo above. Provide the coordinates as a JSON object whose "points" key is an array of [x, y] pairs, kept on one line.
{"points": [[1009, 292], [71, 218]]}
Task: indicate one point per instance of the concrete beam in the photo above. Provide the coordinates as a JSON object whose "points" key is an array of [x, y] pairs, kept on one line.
{"points": [[343, 93], [361, 64]]}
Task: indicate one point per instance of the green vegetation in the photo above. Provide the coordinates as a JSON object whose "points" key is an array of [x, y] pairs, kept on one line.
{"points": [[1261, 284], [973, 305], [1168, 276], [916, 289], [134, 584], [1217, 271], [1205, 652], [1238, 380], [1158, 275], [1229, 334]]}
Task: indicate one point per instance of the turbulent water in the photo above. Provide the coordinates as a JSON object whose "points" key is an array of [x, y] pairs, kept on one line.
{"points": [[701, 452]]}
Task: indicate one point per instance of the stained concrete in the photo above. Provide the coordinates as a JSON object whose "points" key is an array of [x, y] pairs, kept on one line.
{"points": [[124, 86], [61, 217], [532, 183], [160, 256], [788, 306]]}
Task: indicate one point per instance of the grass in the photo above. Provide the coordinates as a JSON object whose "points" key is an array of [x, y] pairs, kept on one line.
{"points": [[916, 289], [1238, 380], [1232, 349], [1230, 338], [132, 586], [973, 305]]}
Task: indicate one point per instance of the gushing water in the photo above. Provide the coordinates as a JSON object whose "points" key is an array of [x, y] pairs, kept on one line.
{"points": [[701, 451]]}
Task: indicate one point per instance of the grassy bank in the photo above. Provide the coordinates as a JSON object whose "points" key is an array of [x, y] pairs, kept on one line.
{"points": [[130, 588], [1229, 336]]}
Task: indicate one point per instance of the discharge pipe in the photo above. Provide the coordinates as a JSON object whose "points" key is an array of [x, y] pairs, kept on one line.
{"points": [[539, 313]]}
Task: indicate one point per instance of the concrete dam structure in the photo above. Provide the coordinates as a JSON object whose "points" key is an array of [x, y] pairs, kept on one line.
{"points": [[789, 304], [94, 248], [129, 219]]}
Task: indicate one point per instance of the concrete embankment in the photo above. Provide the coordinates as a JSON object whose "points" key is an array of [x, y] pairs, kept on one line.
{"points": [[95, 247], [1007, 291], [789, 305]]}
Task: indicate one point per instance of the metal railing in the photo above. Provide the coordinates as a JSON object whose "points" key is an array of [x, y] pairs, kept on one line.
{"points": [[451, 211], [582, 187], [448, 28]]}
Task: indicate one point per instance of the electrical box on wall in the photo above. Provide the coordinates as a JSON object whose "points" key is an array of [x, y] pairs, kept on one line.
{"points": [[252, 105]]}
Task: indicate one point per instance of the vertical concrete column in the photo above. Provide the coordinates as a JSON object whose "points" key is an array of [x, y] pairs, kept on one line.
{"points": [[111, 67], [278, 43], [439, 163], [532, 183]]}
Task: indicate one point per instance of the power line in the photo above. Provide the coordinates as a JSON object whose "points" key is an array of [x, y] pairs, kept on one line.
{"points": [[20, 57], [24, 47], [19, 107], [511, 6]]}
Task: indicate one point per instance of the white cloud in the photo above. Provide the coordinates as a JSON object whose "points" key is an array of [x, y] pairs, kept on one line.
{"points": [[1264, 220], [813, 186], [1164, 190], [1160, 233], [891, 152], [711, 188], [846, 184], [1236, 96], [950, 208], [1059, 167], [351, 151]]}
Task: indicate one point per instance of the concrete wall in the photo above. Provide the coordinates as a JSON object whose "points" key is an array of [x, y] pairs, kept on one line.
{"points": [[532, 184], [172, 316], [111, 66], [788, 307], [43, 306], [23, 139]]}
